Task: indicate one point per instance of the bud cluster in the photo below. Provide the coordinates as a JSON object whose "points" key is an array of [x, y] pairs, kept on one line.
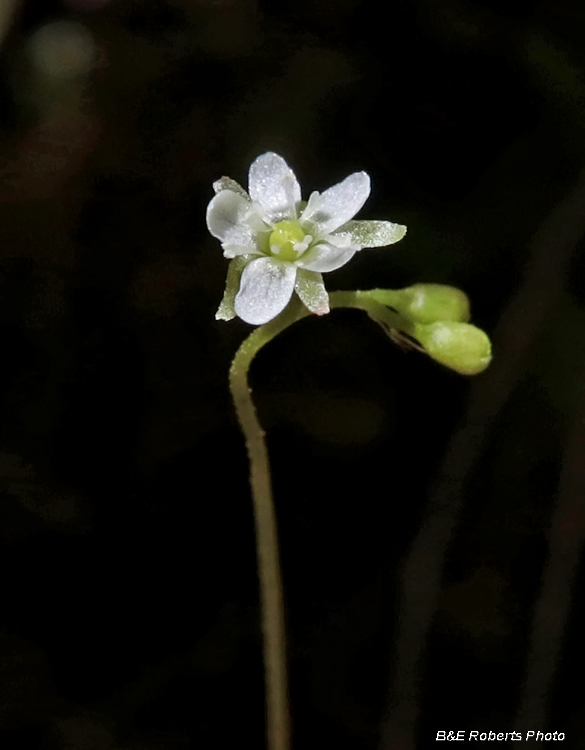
{"points": [[436, 317]]}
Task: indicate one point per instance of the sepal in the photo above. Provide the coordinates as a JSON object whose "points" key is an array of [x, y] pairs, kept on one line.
{"points": [[373, 233], [226, 183], [236, 267], [311, 290]]}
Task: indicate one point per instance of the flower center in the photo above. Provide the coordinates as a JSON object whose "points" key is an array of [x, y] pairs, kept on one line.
{"points": [[287, 240]]}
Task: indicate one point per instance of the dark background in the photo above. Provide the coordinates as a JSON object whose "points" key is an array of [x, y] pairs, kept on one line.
{"points": [[128, 593]]}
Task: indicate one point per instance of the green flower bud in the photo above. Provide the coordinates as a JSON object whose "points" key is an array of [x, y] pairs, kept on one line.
{"points": [[460, 346], [429, 303]]}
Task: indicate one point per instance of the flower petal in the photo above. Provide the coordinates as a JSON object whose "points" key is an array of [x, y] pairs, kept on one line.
{"points": [[266, 287], [226, 219], [273, 184], [324, 257], [373, 233], [226, 310], [337, 205], [311, 290]]}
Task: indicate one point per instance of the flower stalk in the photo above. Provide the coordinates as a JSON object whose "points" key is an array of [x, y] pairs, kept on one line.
{"points": [[269, 571]]}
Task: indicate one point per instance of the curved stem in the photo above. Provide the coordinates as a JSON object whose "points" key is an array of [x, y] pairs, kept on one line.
{"points": [[271, 597], [269, 573]]}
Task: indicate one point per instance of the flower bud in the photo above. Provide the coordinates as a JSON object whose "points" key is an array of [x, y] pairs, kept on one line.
{"points": [[429, 303], [460, 346]]}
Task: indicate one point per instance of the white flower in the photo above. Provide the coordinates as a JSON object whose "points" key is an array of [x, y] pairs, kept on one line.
{"points": [[279, 245]]}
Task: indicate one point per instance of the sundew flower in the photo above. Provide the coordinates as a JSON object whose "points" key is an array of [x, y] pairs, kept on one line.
{"points": [[279, 244]]}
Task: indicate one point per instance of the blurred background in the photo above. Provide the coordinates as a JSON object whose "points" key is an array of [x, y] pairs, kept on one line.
{"points": [[431, 525]]}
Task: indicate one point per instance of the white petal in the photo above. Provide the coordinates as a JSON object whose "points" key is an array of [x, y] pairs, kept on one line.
{"points": [[311, 290], [324, 257], [372, 233], [226, 219], [266, 287], [338, 239], [328, 211], [273, 184], [257, 218]]}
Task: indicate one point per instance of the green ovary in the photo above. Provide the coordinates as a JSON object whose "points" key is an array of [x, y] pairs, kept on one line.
{"points": [[284, 236]]}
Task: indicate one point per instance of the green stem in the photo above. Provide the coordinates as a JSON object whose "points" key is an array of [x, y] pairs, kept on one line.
{"points": [[271, 597], [271, 592]]}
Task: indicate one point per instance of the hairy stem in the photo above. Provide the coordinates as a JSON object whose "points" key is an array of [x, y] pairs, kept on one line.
{"points": [[271, 597], [269, 573]]}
